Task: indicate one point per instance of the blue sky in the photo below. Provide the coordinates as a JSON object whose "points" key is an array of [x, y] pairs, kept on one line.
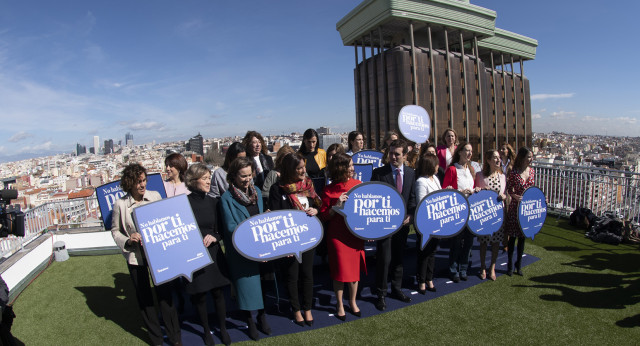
{"points": [[166, 70]]}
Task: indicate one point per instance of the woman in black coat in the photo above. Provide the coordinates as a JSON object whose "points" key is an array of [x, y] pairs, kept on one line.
{"points": [[213, 277], [295, 191]]}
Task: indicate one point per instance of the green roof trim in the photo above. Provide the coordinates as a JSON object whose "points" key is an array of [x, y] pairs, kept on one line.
{"points": [[454, 14], [394, 17], [511, 43]]}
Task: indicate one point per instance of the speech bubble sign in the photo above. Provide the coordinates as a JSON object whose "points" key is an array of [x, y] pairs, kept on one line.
{"points": [[107, 195], [171, 239], [486, 212], [277, 234], [532, 211], [414, 123], [374, 210], [363, 172], [441, 214], [373, 157]]}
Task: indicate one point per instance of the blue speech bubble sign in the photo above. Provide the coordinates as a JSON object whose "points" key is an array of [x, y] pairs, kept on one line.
{"points": [[171, 239], [107, 195], [414, 123], [374, 210], [486, 212], [277, 234], [532, 211], [363, 172], [373, 157], [441, 214]]}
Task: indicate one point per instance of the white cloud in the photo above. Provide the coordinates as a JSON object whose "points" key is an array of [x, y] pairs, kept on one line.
{"points": [[626, 120], [146, 125], [563, 114], [20, 136], [540, 97], [536, 116], [48, 145], [592, 118]]}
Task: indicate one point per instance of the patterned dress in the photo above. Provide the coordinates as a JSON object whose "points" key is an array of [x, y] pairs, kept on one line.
{"points": [[516, 185], [495, 183]]}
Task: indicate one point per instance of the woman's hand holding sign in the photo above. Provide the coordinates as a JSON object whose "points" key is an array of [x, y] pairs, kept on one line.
{"points": [[208, 240]]}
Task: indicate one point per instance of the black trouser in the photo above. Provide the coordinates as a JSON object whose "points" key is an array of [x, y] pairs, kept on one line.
{"points": [[299, 275], [142, 285], [512, 244], [389, 255], [426, 260], [199, 300]]}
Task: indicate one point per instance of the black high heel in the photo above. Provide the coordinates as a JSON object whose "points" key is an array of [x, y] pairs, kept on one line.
{"points": [[341, 318]]}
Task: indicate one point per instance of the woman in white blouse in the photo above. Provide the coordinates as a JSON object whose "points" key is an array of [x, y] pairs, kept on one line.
{"points": [[460, 175], [427, 183]]}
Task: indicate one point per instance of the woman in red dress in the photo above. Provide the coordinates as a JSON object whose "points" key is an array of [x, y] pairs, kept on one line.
{"points": [[519, 179], [346, 251]]}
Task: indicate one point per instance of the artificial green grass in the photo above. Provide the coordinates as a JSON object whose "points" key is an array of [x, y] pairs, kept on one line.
{"points": [[580, 292]]}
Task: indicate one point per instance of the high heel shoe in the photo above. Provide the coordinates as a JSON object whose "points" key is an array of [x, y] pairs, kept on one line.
{"points": [[355, 313], [341, 318], [483, 274], [309, 321], [300, 323], [224, 337]]}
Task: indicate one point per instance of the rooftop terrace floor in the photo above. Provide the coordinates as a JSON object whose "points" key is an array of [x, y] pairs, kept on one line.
{"points": [[579, 292]]}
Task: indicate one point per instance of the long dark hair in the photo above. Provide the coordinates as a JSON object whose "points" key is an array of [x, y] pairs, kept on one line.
{"points": [[310, 133], [486, 167], [456, 157], [234, 149], [353, 135], [521, 158], [288, 167]]}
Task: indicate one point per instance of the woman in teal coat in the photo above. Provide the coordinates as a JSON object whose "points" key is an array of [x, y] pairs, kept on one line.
{"points": [[237, 204]]}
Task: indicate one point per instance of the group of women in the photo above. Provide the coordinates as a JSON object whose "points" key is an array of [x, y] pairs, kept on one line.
{"points": [[249, 183]]}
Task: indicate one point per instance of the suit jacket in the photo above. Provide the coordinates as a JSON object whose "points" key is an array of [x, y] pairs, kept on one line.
{"points": [[385, 175], [122, 225]]}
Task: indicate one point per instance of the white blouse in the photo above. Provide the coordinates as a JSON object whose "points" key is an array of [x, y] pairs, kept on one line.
{"points": [[425, 186]]}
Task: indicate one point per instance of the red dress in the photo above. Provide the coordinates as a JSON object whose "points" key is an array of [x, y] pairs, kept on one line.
{"points": [[516, 185], [346, 251]]}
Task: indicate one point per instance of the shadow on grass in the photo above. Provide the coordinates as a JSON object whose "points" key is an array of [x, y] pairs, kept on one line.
{"points": [[608, 291], [629, 322], [117, 304], [622, 262]]}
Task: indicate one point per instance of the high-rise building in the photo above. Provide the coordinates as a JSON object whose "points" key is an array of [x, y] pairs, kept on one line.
{"points": [[80, 149], [196, 144], [108, 146], [446, 56], [128, 140], [96, 144], [323, 130], [327, 140]]}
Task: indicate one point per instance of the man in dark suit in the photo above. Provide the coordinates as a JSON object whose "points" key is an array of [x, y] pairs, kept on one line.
{"points": [[390, 249]]}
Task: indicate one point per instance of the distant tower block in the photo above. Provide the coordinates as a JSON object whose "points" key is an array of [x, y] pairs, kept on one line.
{"points": [[446, 56]]}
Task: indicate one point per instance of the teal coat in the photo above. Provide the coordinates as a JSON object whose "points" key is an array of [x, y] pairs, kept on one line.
{"points": [[245, 273]]}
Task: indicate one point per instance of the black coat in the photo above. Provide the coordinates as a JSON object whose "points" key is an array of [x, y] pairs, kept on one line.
{"points": [[205, 210]]}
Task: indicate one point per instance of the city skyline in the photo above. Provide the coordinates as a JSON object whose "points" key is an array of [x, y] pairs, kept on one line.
{"points": [[72, 70]]}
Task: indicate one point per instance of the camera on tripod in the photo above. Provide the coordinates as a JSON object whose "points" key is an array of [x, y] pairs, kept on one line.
{"points": [[11, 217]]}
